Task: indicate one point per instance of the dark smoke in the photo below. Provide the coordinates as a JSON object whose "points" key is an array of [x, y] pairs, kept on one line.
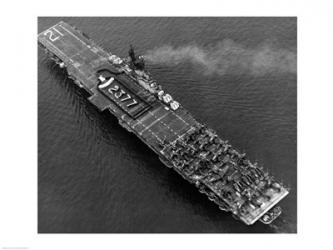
{"points": [[228, 57]]}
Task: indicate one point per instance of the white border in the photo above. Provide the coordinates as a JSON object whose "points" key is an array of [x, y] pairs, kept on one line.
{"points": [[18, 130]]}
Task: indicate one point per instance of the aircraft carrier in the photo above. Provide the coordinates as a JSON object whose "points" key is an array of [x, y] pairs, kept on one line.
{"points": [[123, 87]]}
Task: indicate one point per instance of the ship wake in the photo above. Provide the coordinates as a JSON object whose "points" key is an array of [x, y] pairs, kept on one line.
{"points": [[228, 57]]}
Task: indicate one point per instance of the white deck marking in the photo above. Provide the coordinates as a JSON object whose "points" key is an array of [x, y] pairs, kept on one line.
{"points": [[64, 56], [165, 124], [107, 83], [57, 31], [154, 122], [77, 53], [87, 46], [144, 118], [159, 139], [77, 38], [159, 119], [52, 27], [180, 118], [57, 49], [152, 113], [181, 136]]}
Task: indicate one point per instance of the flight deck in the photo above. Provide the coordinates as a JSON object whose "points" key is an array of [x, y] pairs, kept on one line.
{"points": [[125, 89]]}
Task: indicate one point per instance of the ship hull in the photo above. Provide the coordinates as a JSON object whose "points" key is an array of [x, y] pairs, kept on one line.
{"points": [[164, 130]]}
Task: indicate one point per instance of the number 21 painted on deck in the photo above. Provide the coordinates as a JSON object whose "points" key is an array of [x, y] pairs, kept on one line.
{"points": [[51, 35]]}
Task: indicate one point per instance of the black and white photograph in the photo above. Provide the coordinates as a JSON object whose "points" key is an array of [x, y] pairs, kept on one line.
{"points": [[145, 124], [167, 125]]}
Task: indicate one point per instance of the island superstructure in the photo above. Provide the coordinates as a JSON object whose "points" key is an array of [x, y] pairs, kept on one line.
{"points": [[124, 88]]}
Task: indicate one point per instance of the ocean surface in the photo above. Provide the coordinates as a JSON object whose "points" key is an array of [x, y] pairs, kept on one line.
{"points": [[95, 177]]}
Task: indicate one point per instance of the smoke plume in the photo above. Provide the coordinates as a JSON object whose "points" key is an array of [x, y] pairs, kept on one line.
{"points": [[228, 57]]}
